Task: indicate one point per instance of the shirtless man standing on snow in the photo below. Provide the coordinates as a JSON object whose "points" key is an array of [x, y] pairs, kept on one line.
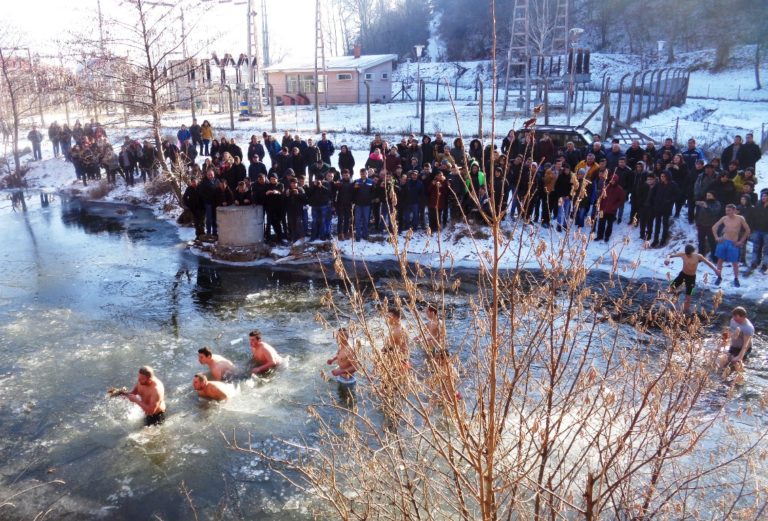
{"points": [[687, 275], [730, 241], [220, 367], [264, 355]]}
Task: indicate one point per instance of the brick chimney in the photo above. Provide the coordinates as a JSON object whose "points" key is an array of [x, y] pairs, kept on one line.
{"points": [[356, 50]]}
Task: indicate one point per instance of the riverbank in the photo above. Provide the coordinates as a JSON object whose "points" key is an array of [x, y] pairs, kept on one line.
{"points": [[457, 247]]}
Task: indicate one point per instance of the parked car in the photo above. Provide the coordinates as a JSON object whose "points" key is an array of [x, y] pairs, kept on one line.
{"points": [[561, 134]]}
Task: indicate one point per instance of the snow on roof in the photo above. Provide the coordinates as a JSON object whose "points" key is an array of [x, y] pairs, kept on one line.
{"points": [[364, 62]]}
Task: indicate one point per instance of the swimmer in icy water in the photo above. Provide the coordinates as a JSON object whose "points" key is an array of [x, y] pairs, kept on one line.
{"points": [[264, 355], [210, 389], [740, 332], [149, 394], [220, 367], [345, 358]]}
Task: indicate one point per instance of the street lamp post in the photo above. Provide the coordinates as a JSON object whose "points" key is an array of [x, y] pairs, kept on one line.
{"points": [[419, 49]]}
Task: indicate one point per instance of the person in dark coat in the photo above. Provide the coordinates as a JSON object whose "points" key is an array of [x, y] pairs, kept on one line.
{"points": [[326, 148], [223, 195], [310, 153], [634, 154], [255, 148], [346, 159], [295, 199], [259, 190], [708, 212], [193, 203], [509, 145], [274, 207], [207, 194], [296, 162], [725, 191], [750, 153], [235, 150], [235, 174], [732, 151], [343, 200], [243, 194], [664, 196], [188, 153], [318, 199], [54, 133], [608, 205], [149, 163], [363, 192], [645, 210], [410, 195], [196, 135], [572, 155], [427, 150], [256, 168]]}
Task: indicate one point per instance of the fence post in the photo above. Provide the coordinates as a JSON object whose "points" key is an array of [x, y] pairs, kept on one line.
{"points": [[677, 127], [367, 107], [423, 92], [621, 94], [546, 102], [632, 97], [606, 114], [456, 88], [480, 110], [437, 90]]}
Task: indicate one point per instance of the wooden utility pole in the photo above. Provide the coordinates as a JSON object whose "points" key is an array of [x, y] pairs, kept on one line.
{"points": [[319, 64]]}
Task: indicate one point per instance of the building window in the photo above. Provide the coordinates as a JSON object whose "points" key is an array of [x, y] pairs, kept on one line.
{"points": [[307, 83], [292, 84], [344, 77], [384, 75], [368, 76]]}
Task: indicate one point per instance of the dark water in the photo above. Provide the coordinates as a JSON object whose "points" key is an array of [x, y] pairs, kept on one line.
{"points": [[88, 293]]}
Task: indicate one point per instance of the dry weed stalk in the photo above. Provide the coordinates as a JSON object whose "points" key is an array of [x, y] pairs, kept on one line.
{"points": [[560, 398]]}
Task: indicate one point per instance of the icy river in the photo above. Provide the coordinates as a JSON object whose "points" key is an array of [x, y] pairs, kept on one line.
{"points": [[89, 292]]}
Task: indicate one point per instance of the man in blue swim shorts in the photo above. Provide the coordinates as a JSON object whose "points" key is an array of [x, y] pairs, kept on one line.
{"points": [[731, 232]]}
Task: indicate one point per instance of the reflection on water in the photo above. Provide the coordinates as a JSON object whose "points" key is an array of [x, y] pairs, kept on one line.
{"points": [[93, 291]]}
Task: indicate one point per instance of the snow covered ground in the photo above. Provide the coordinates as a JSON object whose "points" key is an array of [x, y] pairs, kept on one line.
{"points": [[706, 120]]}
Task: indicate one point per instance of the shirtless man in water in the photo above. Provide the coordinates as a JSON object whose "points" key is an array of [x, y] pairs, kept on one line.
{"points": [[740, 332], [396, 342], [149, 394], [264, 355], [687, 275], [730, 241], [220, 367], [444, 375], [345, 356], [211, 390]]}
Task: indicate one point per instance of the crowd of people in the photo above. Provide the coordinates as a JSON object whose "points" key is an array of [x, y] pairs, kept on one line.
{"points": [[430, 183]]}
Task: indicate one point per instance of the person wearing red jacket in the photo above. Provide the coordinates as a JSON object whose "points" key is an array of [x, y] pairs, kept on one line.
{"points": [[608, 204]]}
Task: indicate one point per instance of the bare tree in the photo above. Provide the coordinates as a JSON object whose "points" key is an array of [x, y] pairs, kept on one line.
{"points": [[148, 56], [19, 95]]}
